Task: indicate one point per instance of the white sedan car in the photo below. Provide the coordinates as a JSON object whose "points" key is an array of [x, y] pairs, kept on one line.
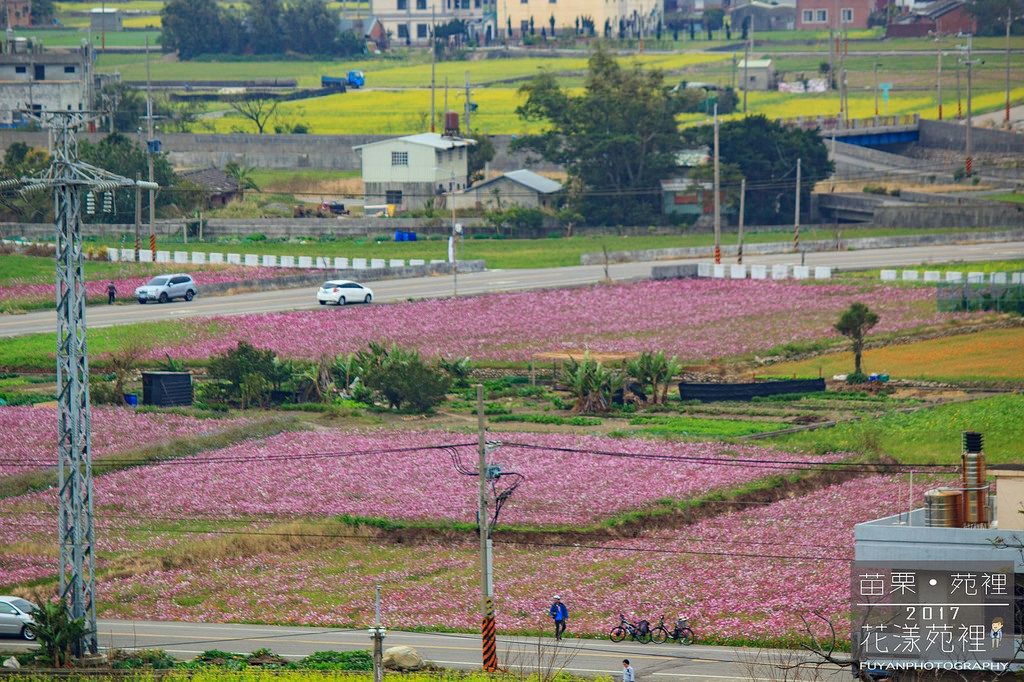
{"points": [[342, 291]]}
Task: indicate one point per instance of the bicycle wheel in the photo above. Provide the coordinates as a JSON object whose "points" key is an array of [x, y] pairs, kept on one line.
{"points": [[645, 638], [659, 635], [686, 636], [617, 634]]}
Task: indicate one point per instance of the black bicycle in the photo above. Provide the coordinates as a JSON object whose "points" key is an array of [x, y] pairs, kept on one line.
{"points": [[638, 632], [680, 633]]}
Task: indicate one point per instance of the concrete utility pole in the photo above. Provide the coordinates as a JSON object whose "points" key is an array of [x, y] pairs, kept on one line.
{"points": [[487, 629], [718, 201], [377, 634], [743, 199], [150, 146], [433, 72], [469, 105], [938, 76], [69, 178], [796, 213]]}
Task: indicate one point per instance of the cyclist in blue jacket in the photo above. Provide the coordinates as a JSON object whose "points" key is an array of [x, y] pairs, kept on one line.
{"points": [[560, 614]]}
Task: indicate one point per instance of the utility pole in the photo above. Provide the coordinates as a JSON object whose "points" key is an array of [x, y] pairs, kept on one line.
{"points": [[876, 92], [469, 106], [718, 207], [433, 81], [743, 199], [138, 216], [487, 629], [796, 213], [968, 162], [938, 77], [377, 634], [746, 62], [1009, 22], [68, 178], [151, 145]]}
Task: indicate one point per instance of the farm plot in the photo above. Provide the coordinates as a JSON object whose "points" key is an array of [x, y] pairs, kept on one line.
{"points": [[29, 434], [743, 578], [697, 320]]}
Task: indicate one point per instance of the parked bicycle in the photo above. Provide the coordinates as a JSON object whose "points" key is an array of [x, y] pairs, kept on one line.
{"points": [[680, 632], [638, 632]]}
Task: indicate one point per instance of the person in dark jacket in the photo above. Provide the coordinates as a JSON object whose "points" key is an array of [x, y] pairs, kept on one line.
{"points": [[560, 614], [111, 293]]}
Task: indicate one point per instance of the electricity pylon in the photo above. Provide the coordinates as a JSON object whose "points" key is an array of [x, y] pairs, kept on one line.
{"points": [[67, 177]]}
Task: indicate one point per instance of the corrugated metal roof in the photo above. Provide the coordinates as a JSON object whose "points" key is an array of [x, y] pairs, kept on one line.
{"points": [[435, 140], [528, 179]]}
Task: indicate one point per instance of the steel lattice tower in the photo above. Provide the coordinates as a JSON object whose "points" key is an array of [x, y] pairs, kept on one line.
{"points": [[67, 176]]}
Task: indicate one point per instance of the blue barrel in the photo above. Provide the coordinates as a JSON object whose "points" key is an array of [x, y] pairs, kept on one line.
{"points": [[131, 399]]}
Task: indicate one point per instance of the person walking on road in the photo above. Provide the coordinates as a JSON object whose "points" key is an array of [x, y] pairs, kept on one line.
{"points": [[627, 671], [111, 293], [559, 614]]}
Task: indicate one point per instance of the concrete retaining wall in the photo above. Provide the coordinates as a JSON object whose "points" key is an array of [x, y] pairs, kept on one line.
{"points": [[810, 246], [286, 152], [944, 135]]}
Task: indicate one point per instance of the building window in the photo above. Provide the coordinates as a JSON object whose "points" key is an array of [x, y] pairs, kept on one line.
{"points": [[421, 30], [421, 4], [399, 158], [847, 15], [19, 69], [821, 16], [403, 31], [403, 5], [69, 69], [393, 196]]}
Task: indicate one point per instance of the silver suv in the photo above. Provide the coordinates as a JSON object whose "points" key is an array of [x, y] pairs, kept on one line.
{"points": [[167, 287]]}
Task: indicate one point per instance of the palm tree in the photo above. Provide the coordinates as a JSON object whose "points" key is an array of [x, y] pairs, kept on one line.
{"points": [[243, 176]]}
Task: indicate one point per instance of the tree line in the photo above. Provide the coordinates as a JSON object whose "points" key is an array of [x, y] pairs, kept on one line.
{"points": [[195, 28]]}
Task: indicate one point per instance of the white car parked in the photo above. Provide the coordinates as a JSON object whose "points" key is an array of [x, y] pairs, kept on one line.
{"points": [[342, 291], [164, 288], [15, 615]]}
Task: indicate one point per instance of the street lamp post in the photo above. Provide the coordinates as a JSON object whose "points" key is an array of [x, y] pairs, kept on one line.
{"points": [[876, 90]]}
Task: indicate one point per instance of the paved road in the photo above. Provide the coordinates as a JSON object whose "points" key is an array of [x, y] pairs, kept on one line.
{"points": [[490, 281], [588, 657]]}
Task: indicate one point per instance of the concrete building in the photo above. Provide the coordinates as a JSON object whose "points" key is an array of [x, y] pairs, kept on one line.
{"points": [[410, 172], [760, 74], [105, 19], [773, 15], [515, 188], [408, 22], [34, 80], [945, 533], [221, 189], [817, 15]]}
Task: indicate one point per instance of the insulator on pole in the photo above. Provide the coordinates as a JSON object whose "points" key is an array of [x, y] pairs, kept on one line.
{"points": [[90, 203], [108, 202]]}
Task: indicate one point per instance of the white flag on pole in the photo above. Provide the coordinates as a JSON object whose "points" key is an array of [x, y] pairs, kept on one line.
{"points": [[451, 248]]}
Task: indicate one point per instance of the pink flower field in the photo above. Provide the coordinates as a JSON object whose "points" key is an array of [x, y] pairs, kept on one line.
{"points": [[695, 319], [740, 577], [29, 434], [97, 288], [275, 477]]}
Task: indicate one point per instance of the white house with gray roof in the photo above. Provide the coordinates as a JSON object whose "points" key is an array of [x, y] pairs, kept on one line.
{"points": [[519, 188], [409, 171]]}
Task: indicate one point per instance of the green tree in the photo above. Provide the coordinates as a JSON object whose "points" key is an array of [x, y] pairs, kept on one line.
{"points": [[766, 154], [265, 29], [618, 138], [192, 28], [591, 384], [310, 27], [243, 176], [400, 377], [854, 323], [480, 154], [991, 16], [43, 12], [249, 373]]}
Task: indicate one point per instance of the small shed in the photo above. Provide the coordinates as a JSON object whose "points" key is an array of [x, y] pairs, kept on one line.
{"points": [[166, 389], [104, 19], [515, 188], [756, 74], [220, 187]]}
